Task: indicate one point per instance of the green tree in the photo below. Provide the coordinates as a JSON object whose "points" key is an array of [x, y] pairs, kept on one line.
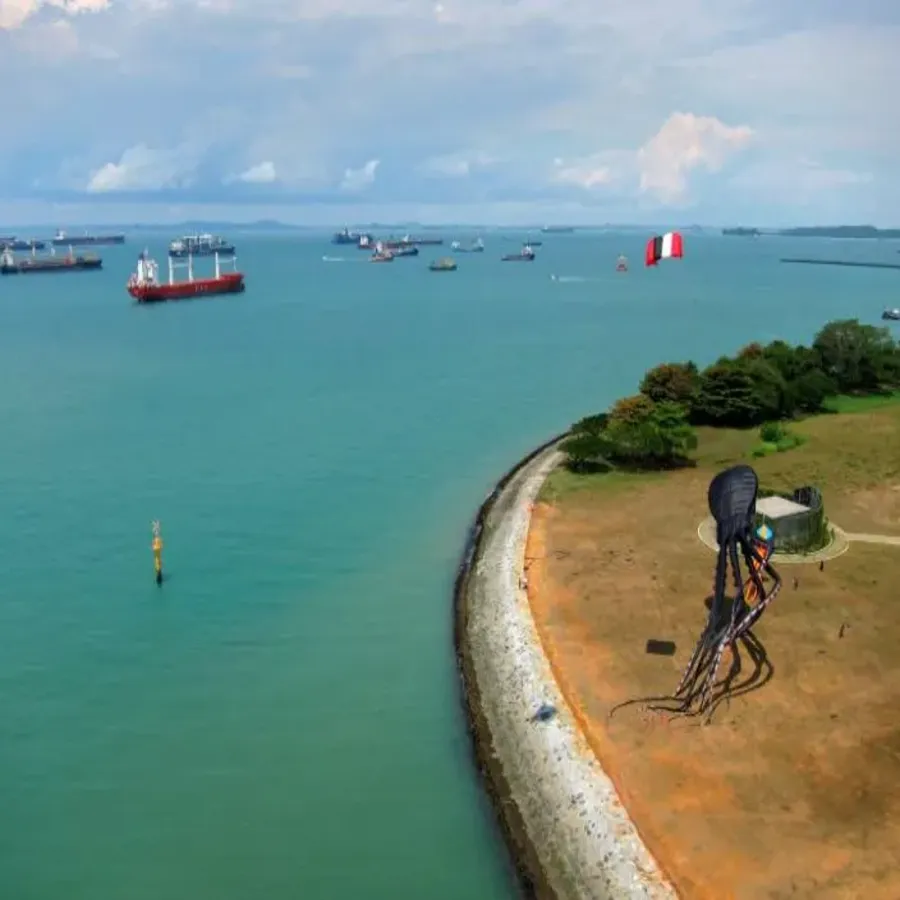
{"points": [[740, 394], [643, 435], [672, 383], [791, 362], [751, 351], [631, 410], [584, 448], [807, 393], [857, 357], [591, 424]]}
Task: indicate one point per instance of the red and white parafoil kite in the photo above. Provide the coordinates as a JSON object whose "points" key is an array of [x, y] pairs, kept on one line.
{"points": [[666, 246]]}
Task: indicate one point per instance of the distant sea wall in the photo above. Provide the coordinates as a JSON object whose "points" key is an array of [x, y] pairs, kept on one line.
{"points": [[568, 833]]}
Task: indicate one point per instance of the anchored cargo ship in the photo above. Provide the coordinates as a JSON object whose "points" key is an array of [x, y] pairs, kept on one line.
{"points": [[345, 236], [9, 265], [14, 243], [407, 241], [526, 254], [61, 239], [145, 286], [382, 254], [445, 264], [200, 245], [475, 247]]}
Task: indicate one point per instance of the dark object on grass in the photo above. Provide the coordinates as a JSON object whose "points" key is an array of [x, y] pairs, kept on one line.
{"points": [[660, 648]]}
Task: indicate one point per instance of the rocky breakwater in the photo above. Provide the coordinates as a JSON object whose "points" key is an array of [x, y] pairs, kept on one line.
{"points": [[568, 832]]}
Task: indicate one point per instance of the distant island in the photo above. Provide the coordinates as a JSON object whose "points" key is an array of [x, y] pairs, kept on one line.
{"points": [[826, 231]]}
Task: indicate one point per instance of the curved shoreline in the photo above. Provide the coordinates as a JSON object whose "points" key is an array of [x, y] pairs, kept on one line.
{"points": [[568, 833]]}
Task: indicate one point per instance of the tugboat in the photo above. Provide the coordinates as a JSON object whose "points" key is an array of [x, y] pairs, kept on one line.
{"points": [[145, 286], [199, 245], [444, 264], [621, 264], [891, 315], [526, 254]]}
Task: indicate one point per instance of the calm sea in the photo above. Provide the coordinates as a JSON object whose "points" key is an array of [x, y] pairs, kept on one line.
{"points": [[281, 719]]}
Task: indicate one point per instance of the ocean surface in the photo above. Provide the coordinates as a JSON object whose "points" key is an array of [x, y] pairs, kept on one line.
{"points": [[282, 718]]}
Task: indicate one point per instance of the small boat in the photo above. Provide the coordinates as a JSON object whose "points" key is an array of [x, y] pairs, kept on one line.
{"points": [[621, 264], [526, 254], [404, 251], [444, 264], [891, 315]]}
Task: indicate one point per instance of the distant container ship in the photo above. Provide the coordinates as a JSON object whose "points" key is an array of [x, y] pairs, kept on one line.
{"points": [[557, 229], [9, 265], [200, 245], [14, 243], [145, 286], [61, 239]]}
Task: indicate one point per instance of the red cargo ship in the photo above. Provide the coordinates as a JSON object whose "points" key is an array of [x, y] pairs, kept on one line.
{"points": [[145, 286]]}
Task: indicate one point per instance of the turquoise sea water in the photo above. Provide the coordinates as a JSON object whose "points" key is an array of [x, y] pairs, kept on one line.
{"points": [[282, 719]]}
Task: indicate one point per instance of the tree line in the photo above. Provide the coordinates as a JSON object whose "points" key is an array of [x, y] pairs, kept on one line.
{"points": [[762, 383]]}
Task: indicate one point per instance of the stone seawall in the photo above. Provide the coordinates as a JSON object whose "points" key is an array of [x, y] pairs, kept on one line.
{"points": [[569, 834]]}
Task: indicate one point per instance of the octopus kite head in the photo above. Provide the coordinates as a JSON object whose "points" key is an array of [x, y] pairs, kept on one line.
{"points": [[732, 499]]}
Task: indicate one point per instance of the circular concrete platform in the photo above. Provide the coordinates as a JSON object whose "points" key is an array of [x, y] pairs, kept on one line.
{"points": [[838, 545]]}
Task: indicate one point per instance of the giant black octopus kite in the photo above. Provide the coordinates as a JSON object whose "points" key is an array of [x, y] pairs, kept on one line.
{"points": [[732, 502]]}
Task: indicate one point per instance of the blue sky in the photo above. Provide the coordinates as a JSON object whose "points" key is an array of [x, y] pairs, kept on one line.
{"points": [[326, 111]]}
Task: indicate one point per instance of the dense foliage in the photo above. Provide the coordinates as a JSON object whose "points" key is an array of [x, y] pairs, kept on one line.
{"points": [[637, 433], [760, 384]]}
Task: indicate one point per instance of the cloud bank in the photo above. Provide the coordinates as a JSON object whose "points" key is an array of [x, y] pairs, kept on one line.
{"points": [[724, 110]]}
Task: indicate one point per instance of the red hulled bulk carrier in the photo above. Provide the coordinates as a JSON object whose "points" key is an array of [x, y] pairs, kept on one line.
{"points": [[145, 286]]}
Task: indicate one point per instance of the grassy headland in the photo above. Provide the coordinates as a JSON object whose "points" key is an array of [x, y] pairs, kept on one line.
{"points": [[796, 790]]}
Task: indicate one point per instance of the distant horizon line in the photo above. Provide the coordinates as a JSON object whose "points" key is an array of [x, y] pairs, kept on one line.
{"points": [[11, 230]]}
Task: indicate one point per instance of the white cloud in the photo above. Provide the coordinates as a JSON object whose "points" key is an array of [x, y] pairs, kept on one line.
{"points": [[686, 142], [455, 165], [799, 177], [14, 13], [588, 173], [360, 179], [586, 81], [263, 173], [141, 168]]}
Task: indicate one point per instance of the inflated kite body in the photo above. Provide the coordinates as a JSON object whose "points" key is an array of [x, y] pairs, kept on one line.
{"points": [[732, 502]]}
